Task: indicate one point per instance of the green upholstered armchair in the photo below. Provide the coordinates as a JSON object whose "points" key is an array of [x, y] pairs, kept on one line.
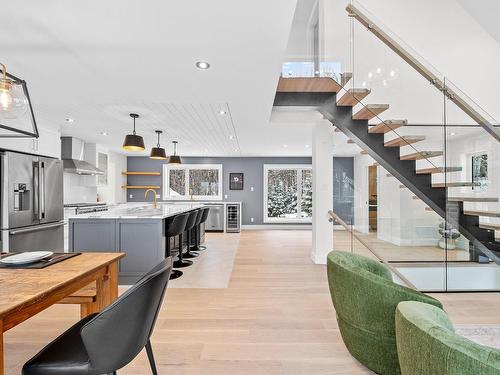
{"points": [[427, 344], [365, 299]]}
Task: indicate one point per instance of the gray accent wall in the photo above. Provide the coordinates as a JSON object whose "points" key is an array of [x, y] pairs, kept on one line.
{"points": [[251, 167]]}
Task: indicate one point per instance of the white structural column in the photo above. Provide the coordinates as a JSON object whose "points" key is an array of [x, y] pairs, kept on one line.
{"points": [[322, 165]]}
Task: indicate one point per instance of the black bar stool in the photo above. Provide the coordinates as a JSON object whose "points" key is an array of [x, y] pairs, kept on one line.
{"points": [[181, 262], [203, 218], [175, 227], [192, 236]]}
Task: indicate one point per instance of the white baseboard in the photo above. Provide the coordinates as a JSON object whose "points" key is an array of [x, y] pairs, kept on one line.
{"points": [[277, 227]]}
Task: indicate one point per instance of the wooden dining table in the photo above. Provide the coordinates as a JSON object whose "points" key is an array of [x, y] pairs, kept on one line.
{"points": [[26, 292]]}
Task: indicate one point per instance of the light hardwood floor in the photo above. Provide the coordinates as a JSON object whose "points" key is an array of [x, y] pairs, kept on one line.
{"points": [[274, 317]]}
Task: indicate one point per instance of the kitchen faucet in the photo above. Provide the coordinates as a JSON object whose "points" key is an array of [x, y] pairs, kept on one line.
{"points": [[155, 204]]}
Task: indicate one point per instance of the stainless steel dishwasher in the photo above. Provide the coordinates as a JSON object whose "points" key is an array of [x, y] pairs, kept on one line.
{"points": [[215, 220]]}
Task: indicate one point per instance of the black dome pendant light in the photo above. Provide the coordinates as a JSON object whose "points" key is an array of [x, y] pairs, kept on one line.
{"points": [[158, 152], [133, 142], [174, 159]]}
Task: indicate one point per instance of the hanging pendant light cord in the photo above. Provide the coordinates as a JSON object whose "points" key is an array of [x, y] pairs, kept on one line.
{"points": [[158, 144], [134, 127]]}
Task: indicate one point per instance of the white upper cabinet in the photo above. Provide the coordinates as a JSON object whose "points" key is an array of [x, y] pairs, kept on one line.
{"points": [[48, 144]]}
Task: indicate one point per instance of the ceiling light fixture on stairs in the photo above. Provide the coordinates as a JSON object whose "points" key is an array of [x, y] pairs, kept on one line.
{"points": [[133, 142], [174, 159], [158, 152]]}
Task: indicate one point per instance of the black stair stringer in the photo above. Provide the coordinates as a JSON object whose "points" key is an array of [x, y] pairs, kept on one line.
{"points": [[387, 157], [403, 170]]}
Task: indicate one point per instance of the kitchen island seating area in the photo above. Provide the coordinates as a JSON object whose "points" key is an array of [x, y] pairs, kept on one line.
{"points": [[176, 227], [145, 233], [104, 342]]}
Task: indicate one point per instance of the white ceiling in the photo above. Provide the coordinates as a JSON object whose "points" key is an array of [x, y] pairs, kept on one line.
{"points": [[97, 61]]}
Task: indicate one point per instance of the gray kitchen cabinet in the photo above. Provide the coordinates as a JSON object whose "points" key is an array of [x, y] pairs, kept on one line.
{"points": [[143, 242], [86, 235]]}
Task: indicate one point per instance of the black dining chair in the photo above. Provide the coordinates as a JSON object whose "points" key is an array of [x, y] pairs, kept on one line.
{"points": [[175, 227], [103, 343]]}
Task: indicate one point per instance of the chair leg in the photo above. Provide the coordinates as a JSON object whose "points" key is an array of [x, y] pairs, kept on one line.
{"points": [[151, 358]]}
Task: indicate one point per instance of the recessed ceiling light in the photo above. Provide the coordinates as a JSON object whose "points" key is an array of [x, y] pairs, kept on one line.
{"points": [[202, 65], [69, 120], [285, 146], [231, 136], [104, 133], [453, 133], [307, 146], [235, 150], [222, 112]]}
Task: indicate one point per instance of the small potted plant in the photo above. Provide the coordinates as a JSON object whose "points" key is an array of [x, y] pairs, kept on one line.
{"points": [[448, 234]]}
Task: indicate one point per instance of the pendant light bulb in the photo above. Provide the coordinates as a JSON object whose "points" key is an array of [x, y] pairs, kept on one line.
{"points": [[157, 152], [13, 101], [133, 142]]}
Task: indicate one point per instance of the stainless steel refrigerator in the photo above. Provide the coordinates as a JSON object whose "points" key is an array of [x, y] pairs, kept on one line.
{"points": [[31, 203]]}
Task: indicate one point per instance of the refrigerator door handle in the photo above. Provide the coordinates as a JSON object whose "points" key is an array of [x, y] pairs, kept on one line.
{"points": [[42, 190], [36, 228], [36, 189]]}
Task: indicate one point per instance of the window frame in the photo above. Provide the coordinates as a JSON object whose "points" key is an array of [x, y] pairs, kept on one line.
{"points": [[279, 220], [188, 167]]}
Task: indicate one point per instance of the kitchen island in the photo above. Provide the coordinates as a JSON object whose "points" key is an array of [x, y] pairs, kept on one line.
{"points": [[135, 229]]}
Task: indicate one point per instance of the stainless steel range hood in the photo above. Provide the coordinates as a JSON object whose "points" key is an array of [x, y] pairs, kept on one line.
{"points": [[72, 155]]}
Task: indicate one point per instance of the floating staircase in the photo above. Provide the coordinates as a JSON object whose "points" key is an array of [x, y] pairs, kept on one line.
{"points": [[370, 138]]}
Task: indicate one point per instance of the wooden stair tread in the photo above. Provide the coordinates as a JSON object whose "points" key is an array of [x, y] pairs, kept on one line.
{"points": [[352, 97], [404, 140], [337, 130], [455, 184], [438, 170], [421, 155], [345, 77], [350, 141], [428, 209], [369, 111], [482, 213], [387, 126], [472, 199], [489, 226], [364, 152], [308, 84], [85, 295]]}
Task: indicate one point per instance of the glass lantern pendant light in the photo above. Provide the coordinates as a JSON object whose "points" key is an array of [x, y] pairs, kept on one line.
{"points": [[13, 101], [158, 152], [174, 159], [133, 142]]}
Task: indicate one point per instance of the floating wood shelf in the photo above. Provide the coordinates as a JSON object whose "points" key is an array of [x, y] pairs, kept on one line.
{"points": [[139, 187], [141, 173]]}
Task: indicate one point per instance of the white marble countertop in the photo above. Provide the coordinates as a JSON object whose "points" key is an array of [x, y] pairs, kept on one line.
{"points": [[139, 211]]}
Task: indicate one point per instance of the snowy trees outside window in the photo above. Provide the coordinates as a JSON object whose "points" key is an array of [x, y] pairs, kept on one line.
{"points": [[287, 193], [195, 181]]}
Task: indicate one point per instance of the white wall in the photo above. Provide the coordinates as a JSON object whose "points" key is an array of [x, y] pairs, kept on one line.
{"points": [[401, 219], [113, 193]]}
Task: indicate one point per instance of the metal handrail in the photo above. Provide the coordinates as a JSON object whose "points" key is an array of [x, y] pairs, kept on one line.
{"points": [[420, 67], [335, 218]]}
